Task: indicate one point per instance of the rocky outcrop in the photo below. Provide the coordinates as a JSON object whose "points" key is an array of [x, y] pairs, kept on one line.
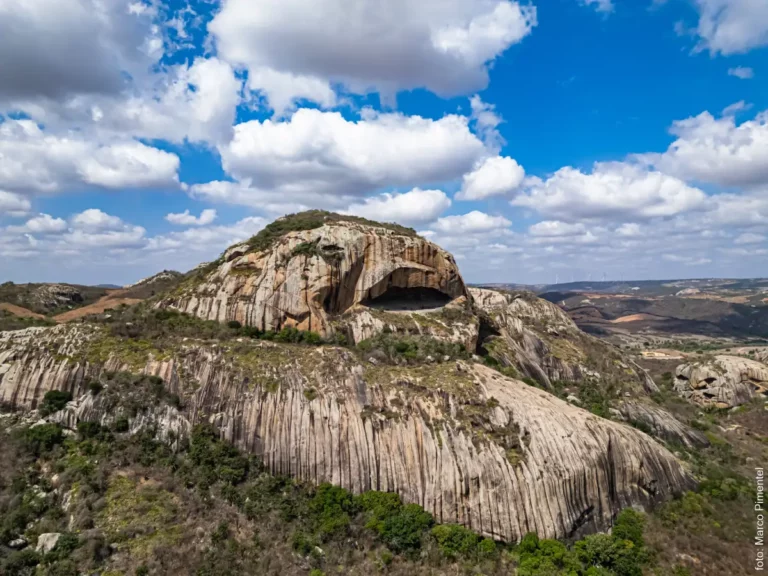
{"points": [[469, 444], [305, 277], [451, 323], [723, 381], [541, 342], [661, 424]]}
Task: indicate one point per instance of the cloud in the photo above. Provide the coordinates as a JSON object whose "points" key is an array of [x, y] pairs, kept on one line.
{"points": [[613, 190], [686, 260], [414, 207], [13, 204], [750, 238], [736, 107], [486, 121], [743, 72], [296, 49], [186, 219], [211, 240], [600, 5], [629, 230], [32, 160], [321, 153], [717, 150], [94, 219], [556, 232], [732, 26], [42, 224], [495, 176], [471, 223], [195, 102], [553, 228], [73, 47], [274, 202]]}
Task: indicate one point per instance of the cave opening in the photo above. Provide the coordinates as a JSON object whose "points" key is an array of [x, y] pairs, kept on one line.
{"points": [[486, 331], [397, 299]]}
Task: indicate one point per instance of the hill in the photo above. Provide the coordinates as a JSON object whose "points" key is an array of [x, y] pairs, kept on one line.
{"points": [[330, 397]]}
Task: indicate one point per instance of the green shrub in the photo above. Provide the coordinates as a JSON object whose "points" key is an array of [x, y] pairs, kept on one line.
{"points": [[331, 508], [629, 525], [142, 570], [400, 349], [234, 325], [378, 506], [402, 532], [95, 387], [53, 401], [454, 540], [40, 439], [121, 425], [89, 429], [214, 460], [529, 544], [549, 557], [21, 563]]}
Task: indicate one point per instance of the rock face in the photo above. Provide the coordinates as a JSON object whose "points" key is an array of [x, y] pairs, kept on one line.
{"points": [[723, 382], [661, 424], [469, 444], [304, 278], [541, 342]]}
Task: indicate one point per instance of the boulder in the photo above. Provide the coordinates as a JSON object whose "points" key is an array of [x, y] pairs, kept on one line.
{"points": [[47, 542], [722, 381]]}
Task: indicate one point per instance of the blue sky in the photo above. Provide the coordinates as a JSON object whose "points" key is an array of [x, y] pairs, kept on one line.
{"points": [[564, 138]]}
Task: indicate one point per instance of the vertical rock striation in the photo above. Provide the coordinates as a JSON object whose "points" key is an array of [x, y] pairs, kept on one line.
{"points": [[467, 443]]}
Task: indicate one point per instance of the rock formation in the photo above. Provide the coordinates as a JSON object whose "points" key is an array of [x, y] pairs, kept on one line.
{"points": [[541, 342], [304, 277], [467, 443], [723, 381], [661, 424]]}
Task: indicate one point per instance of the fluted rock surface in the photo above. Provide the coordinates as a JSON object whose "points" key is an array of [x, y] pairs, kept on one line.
{"points": [[723, 381], [541, 341], [661, 424], [467, 443], [305, 277]]}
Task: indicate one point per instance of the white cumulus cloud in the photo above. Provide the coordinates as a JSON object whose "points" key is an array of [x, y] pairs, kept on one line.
{"points": [[613, 190], [717, 150], [495, 176], [471, 223], [732, 26], [13, 204], [322, 153], [297, 49], [414, 207], [32, 160], [186, 219]]}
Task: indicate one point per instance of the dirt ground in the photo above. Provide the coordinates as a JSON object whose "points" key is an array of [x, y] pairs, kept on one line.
{"points": [[19, 311], [106, 303]]}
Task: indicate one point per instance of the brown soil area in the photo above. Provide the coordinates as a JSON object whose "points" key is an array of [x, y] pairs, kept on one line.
{"points": [[107, 303], [636, 317], [19, 311]]}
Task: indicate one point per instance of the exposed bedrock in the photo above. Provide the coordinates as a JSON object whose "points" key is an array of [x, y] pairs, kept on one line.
{"points": [[723, 381], [467, 443], [306, 277]]}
